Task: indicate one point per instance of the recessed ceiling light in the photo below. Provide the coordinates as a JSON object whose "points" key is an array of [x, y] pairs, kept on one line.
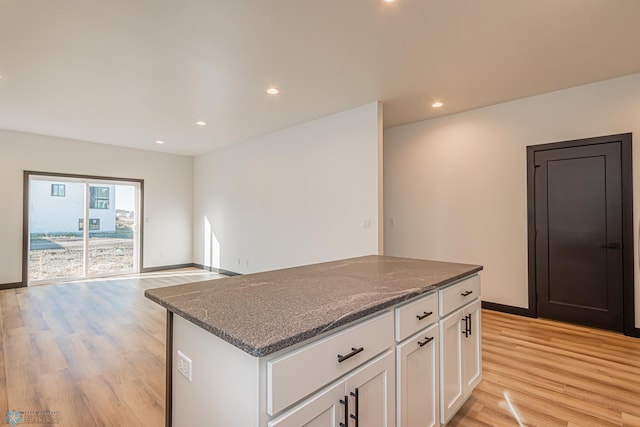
{"points": [[437, 104], [201, 123], [159, 142], [388, 1], [273, 91]]}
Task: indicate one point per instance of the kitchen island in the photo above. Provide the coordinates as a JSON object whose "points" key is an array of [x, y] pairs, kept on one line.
{"points": [[322, 344]]}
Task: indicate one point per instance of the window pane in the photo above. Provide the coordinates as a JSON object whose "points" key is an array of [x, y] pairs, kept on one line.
{"points": [[99, 197], [57, 190]]}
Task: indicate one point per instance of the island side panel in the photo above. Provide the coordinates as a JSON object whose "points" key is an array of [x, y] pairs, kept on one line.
{"points": [[169, 370], [225, 381]]}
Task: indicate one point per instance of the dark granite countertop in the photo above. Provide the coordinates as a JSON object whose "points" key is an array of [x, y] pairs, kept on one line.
{"points": [[265, 312]]}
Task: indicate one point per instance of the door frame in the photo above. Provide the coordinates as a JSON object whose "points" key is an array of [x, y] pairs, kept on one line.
{"points": [[25, 213], [628, 247]]}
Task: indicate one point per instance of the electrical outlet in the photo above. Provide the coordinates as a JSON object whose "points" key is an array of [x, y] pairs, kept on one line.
{"points": [[185, 366]]}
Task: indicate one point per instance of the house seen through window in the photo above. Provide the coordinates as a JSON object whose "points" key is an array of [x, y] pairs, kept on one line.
{"points": [[98, 197], [57, 190]]}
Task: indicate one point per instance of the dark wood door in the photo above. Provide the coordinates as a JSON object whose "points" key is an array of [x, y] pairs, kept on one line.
{"points": [[579, 234]]}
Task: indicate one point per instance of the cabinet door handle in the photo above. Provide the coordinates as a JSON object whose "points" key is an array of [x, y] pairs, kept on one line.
{"points": [[426, 341], [354, 351], [466, 326], [357, 396], [345, 402], [424, 315], [469, 324], [466, 293]]}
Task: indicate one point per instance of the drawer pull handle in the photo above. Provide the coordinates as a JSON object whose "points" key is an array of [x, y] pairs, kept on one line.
{"points": [[345, 402], [466, 294], [426, 341], [354, 351], [424, 315]]}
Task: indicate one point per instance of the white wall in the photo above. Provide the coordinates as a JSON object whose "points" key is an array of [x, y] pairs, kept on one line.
{"points": [[167, 192], [294, 197], [456, 186]]}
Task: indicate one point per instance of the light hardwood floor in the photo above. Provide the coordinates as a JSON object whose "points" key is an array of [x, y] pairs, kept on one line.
{"points": [[553, 374], [94, 352]]}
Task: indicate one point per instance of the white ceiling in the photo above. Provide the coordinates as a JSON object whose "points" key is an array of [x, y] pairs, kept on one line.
{"points": [[128, 73]]}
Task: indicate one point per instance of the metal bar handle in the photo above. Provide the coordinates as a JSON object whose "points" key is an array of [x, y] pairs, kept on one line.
{"points": [[469, 325], [345, 402], [610, 246], [426, 341], [466, 326], [424, 315], [466, 293], [357, 396], [354, 351]]}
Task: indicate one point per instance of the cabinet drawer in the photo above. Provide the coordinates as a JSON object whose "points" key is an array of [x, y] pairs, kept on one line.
{"points": [[415, 315], [295, 375], [457, 295]]}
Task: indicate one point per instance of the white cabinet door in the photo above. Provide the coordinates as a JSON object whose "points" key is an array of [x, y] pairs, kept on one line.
{"points": [[472, 369], [419, 379], [460, 357], [367, 394], [322, 410], [371, 391], [452, 396]]}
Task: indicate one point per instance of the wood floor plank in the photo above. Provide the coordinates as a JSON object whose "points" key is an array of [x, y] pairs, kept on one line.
{"points": [[629, 420], [62, 394], [112, 410]]}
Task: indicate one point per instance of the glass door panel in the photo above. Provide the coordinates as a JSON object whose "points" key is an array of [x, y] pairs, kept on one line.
{"points": [[112, 213], [56, 242]]}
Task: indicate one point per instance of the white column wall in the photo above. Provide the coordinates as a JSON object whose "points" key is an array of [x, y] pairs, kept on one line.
{"points": [[294, 197]]}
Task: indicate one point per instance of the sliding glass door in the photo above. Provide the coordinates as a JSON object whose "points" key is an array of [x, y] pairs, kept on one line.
{"points": [[56, 246], [81, 228]]}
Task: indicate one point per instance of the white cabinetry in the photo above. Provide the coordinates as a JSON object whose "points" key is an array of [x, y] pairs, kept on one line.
{"points": [[302, 372], [364, 398], [294, 387], [422, 357], [472, 371], [438, 367], [322, 410], [371, 394], [418, 379], [460, 358]]}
